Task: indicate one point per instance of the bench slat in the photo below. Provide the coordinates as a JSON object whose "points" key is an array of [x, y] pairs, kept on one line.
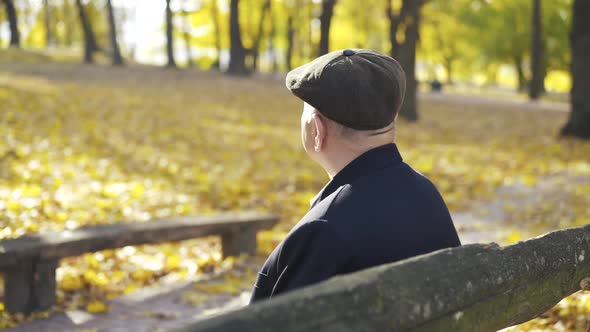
{"points": [[89, 239]]}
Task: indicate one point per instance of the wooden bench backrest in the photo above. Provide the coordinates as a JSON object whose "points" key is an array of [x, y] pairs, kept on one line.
{"points": [[470, 288]]}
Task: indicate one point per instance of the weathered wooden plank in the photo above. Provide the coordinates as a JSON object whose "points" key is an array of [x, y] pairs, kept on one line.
{"points": [[18, 288], [44, 284], [470, 288], [242, 241], [30, 286], [89, 239]]}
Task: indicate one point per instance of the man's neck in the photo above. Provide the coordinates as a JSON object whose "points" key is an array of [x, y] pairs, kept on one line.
{"points": [[336, 160]]}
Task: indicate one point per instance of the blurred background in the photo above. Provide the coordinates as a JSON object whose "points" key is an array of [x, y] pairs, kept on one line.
{"points": [[472, 43], [115, 110]]}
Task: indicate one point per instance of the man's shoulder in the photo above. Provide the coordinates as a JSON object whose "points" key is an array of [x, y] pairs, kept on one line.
{"points": [[320, 210], [399, 180], [390, 192]]}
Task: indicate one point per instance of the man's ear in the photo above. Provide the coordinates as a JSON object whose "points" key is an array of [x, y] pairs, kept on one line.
{"points": [[320, 132]]}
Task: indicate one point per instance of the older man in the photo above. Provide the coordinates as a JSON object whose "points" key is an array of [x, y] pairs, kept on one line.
{"points": [[376, 209]]}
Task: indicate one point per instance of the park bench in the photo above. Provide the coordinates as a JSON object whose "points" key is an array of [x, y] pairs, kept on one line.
{"points": [[29, 263], [477, 287]]}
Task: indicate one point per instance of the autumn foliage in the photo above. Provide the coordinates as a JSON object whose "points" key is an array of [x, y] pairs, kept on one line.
{"points": [[84, 145]]}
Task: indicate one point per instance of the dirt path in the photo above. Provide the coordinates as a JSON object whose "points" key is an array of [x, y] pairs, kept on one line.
{"points": [[467, 101], [166, 305]]}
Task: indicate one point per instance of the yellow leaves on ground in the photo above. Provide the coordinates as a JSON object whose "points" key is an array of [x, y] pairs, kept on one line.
{"points": [[71, 282], [570, 314], [111, 273], [172, 262], [96, 307], [268, 240], [98, 145], [222, 287], [514, 237], [233, 283]]}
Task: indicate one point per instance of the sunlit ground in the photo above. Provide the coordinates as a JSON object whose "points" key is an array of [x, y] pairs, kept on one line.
{"points": [[87, 145]]}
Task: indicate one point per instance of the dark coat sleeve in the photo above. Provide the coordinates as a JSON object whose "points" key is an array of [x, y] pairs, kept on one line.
{"points": [[310, 254]]}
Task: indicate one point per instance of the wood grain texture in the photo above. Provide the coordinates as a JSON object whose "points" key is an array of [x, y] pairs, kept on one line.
{"points": [[480, 287]]}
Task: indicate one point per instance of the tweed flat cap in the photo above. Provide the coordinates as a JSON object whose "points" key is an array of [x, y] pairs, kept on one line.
{"points": [[358, 88]]}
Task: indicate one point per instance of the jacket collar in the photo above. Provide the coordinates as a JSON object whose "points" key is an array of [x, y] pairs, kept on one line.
{"points": [[369, 161]]}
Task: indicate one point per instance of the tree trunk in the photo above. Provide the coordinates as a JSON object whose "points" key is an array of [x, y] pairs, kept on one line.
{"points": [[13, 23], [271, 42], [449, 68], [237, 53], [325, 23], [578, 124], [187, 46], [216, 31], [544, 71], [115, 51], [536, 85], [68, 29], [522, 83], [306, 40], [290, 40], [169, 36], [406, 55], [90, 45], [48, 32], [265, 10], [186, 35], [394, 21]]}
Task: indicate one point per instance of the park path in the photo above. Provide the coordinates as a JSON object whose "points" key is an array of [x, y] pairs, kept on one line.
{"points": [[511, 103], [163, 306]]}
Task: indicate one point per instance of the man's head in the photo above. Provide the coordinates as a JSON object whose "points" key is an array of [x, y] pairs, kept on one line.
{"points": [[351, 100]]}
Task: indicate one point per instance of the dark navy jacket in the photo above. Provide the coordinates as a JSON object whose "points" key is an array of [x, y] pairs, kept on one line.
{"points": [[374, 211]]}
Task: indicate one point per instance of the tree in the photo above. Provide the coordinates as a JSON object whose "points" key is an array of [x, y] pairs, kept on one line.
{"points": [[187, 36], [216, 31], [298, 32], [13, 23], [271, 41], [237, 52], [264, 11], [290, 38], [442, 19], [578, 124], [501, 34], [557, 22], [404, 49], [170, 36], [537, 53], [325, 23], [359, 24], [48, 30], [90, 44], [68, 36], [115, 51]]}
